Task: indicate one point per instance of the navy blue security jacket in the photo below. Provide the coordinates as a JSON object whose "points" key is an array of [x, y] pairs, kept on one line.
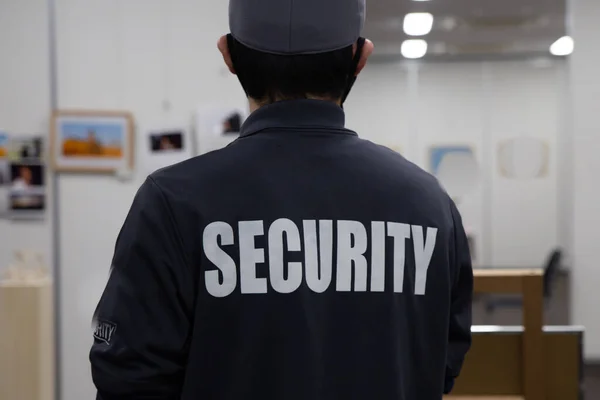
{"points": [[299, 263]]}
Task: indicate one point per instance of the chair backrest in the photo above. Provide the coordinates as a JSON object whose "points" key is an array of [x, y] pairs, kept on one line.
{"points": [[551, 270]]}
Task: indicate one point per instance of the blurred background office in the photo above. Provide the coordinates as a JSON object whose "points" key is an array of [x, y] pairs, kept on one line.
{"points": [[499, 99]]}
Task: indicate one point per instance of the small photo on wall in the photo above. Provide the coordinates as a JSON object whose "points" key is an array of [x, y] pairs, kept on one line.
{"points": [[232, 123], [31, 201], [225, 122], [27, 189], [88, 141], [3, 145], [4, 171], [217, 127], [456, 168], [443, 157], [166, 141], [524, 158], [24, 148], [25, 176], [165, 147]]}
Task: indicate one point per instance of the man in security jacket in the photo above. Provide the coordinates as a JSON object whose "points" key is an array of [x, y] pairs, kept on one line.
{"points": [[299, 263]]}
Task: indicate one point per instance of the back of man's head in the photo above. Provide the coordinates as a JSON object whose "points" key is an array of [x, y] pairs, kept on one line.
{"points": [[295, 49]]}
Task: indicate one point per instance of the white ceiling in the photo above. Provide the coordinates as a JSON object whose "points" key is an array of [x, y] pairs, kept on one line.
{"points": [[471, 28]]}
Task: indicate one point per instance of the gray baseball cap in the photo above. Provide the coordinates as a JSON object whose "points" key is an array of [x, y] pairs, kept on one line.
{"points": [[296, 26]]}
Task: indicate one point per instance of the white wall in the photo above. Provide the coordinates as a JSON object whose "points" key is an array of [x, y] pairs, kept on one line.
{"points": [[24, 106], [480, 105], [586, 167], [525, 100], [157, 59]]}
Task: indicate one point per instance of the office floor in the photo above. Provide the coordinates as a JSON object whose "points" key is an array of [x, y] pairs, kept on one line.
{"points": [[557, 313]]}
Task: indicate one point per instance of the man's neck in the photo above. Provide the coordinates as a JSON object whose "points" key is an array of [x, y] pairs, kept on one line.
{"points": [[255, 105]]}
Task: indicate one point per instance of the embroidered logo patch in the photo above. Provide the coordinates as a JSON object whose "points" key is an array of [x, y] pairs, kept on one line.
{"points": [[104, 331]]}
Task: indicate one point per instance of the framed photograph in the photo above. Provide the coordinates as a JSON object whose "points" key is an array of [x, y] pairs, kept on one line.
{"points": [[4, 170], [524, 158], [4, 175], [3, 145], [25, 148], [163, 148], [166, 142], [456, 167], [216, 127], [439, 156], [231, 123], [92, 141], [27, 192]]}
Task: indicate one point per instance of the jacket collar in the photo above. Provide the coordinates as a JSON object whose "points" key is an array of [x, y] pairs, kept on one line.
{"points": [[290, 114]]}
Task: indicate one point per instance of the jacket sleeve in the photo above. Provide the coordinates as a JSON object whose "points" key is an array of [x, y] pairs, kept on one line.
{"points": [[144, 317], [459, 338]]}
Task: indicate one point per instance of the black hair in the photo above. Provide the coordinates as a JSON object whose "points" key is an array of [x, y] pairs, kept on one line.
{"points": [[270, 77]]}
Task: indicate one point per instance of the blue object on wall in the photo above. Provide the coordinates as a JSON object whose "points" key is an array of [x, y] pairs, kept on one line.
{"points": [[438, 153]]}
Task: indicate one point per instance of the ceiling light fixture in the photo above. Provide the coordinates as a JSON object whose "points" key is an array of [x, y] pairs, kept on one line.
{"points": [[418, 24], [563, 46], [414, 48]]}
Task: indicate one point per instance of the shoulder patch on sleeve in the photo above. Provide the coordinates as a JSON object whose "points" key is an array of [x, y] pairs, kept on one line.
{"points": [[104, 331]]}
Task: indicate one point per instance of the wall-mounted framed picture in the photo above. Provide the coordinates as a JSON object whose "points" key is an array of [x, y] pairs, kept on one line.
{"points": [[524, 158], [3, 145], [92, 141], [217, 126], [456, 167], [165, 147]]}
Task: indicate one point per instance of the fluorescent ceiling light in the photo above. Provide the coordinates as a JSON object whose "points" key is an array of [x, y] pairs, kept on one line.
{"points": [[418, 24], [563, 46], [414, 48]]}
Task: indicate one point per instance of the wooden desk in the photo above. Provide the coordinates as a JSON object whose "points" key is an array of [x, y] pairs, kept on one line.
{"points": [[484, 398], [528, 283]]}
